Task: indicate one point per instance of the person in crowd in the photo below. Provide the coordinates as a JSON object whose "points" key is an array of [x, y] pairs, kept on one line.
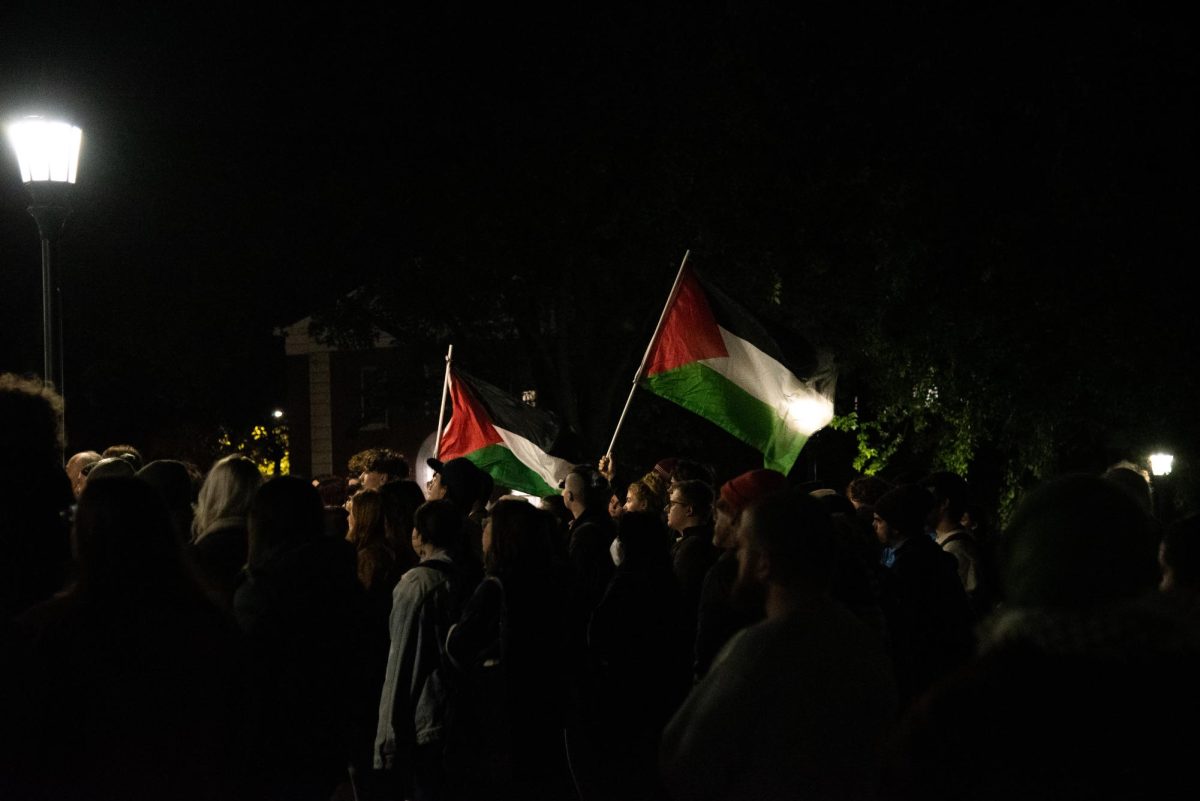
{"points": [[110, 467], [35, 495], [691, 470], [375, 467], [798, 705], [463, 484], [719, 616], [509, 648], [866, 491], [77, 467], [951, 497], [1134, 480], [129, 684], [415, 703], [585, 495], [220, 536], [335, 498], [689, 515], [400, 502], [1179, 559], [647, 494], [638, 659], [367, 533], [304, 617], [929, 618], [172, 480], [127, 452], [1081, 679]]}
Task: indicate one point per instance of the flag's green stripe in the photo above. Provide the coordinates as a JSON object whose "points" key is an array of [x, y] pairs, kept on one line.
{"points": [[700, 389], [508, 471]]}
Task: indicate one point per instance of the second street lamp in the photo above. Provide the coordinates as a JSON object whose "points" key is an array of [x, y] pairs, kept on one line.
{"points": [[48, 156]]}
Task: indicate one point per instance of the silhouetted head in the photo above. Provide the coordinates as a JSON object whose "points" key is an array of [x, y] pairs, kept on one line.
{"points": [[126, 452], [866, 490], [124, 538], [515, 537], [951, 495], [644, 544], [787, 539], [1078, 542], [901, 513], [286, 513], [437, 525], [32, 421], [1127, 476]]}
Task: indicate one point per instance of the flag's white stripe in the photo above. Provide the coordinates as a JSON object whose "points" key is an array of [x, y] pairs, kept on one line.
{"points": [[550, 468], [770, 382]]}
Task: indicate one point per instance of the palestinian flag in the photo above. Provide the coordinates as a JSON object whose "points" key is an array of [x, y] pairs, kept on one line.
{"points": [[510, 440], [716, 359]]}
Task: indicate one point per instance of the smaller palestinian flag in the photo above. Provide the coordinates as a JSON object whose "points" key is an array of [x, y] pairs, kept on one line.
{"points": [[744, 374], [515, 443]]}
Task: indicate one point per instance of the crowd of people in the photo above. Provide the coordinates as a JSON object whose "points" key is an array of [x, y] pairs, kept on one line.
{"points": [[175, 633]]}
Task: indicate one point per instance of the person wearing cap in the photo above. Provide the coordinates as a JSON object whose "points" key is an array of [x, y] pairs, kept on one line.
{"points": [[463, 484], [719, 617], [929, 619]]}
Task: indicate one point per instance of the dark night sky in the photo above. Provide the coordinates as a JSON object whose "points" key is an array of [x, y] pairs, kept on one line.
{"points": [[242, 168]]}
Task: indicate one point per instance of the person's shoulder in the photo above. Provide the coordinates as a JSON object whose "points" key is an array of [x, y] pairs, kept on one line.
{"points": [[425, 576]]}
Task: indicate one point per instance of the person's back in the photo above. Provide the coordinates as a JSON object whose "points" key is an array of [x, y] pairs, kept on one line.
{"points": [[130, 683], [1083, 678], [303, 613], [796, 706]]}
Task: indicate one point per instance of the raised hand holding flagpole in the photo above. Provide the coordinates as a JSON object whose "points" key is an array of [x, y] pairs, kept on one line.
{"points": [[437, 443], [642, 367]]}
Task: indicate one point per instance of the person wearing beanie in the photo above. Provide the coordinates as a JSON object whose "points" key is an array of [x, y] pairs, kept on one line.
{"points": [[719, 617], [930, 622]]}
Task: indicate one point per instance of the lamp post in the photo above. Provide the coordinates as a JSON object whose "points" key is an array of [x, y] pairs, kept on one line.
{"points": [[1161, 465], [48, 156]]}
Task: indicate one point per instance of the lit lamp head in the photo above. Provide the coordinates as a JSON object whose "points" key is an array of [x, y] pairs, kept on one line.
{"points": [[1161, 464], [48, 157]]}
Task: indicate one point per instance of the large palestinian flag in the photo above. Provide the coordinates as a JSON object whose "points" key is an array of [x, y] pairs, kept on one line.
{"points": [[510, 440], [716, 359]]}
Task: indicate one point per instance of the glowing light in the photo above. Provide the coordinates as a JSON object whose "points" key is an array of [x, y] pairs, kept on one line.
{"points": [[277, 414], [809, 412], [1161, 463], [46, 151]]}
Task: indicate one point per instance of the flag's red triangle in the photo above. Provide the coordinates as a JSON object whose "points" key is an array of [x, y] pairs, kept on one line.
{"points": [[689, 332], [469, 428]]}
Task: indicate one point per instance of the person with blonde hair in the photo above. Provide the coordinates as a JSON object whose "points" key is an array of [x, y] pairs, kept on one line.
{"points": [[219, 534]]}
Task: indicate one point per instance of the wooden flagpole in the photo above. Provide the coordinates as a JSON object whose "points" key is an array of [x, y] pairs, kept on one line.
{"points": [[437, 444], [653, 339]]}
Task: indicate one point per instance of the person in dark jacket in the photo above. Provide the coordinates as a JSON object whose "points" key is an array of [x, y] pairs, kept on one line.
{"points": [[220, 538], [304, 616], [929, 618], [130, 683], [509, 647]]}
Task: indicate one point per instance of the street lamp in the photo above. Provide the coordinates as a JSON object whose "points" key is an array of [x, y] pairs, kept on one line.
{"points": [[48, 156], [1161, 464]]}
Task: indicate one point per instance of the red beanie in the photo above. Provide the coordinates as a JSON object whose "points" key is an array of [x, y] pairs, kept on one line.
{"points": [[740, 492]]}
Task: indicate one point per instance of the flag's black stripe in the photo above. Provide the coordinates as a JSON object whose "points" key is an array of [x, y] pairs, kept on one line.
{"points": [[780, 343], [512, 414]]}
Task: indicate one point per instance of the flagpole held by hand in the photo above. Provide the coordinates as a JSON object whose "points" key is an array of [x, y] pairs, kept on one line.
{"points": [[437, 443], [653, 339]]}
